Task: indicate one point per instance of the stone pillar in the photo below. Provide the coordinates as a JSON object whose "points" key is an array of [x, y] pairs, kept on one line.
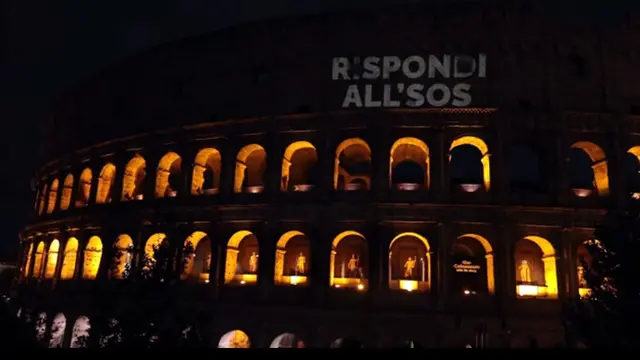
{"points": [[120, 161], [440, 167], [273, 174], [376, 260], [96, 168], [188, 160], [498, 161], [569, 270], [379, 142], [152, 160], [560, 178], [383, 239], [267, 238], [443, 259], [321, 255], [326, 157], [506, 283], [228, 153]]}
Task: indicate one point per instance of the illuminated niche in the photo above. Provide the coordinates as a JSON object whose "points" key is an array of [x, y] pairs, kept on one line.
{"points": [[352, 166], [92, 257], [206, 172], [169, 175], [38, 260], [251, 164], [105, 184], [67, 191], [197, 257], [409, 165], [52, 259], [241, 264], [58, 328], [597, 160], [69, 259], [80, 333], [349, 263], [121, 266], [53, 196], [84, 188], [583, 258], [234, 339], [473, 266], [535, 268], [410, 263], [298, 163], [292, 263], [470, 183], [133, 179], [153, 245]]}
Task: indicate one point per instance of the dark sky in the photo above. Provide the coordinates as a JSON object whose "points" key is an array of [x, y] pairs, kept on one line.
{"points": [[50, 46]]}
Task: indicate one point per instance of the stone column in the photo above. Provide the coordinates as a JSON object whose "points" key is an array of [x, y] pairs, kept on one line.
{"points": [[498, 161], [443, 259], [267, 238], [376, 258], [559, 181], [273, 174], [120, 161], [96, 168], [321, 255], [152, 160], [188, 160], [228, 154], [440, 167], [569, 269], [380, 146]]}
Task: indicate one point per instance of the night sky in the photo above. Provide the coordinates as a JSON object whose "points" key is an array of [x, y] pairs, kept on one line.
{"points": [[50, 46]]}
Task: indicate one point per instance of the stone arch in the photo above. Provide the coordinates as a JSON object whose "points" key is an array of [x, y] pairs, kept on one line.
{"points": [[38, 260], [134, 175], [52, 259], [80, 332], [535, 262], [92, 257], [197, 255], [286, 340], [484, 155], [251, 163], [292, 262], [241, 265], [297, 164], [350, 257], [168, 175], [599, 165], [67, 191], [69, 259], [410, 262], [208, 161], [58, 328], [53, 196], [105, 183], [152, 245], [84, 188], [234, 339], [409, 149], [43, 199], [121, 265], [472, 253], [350, 154]]}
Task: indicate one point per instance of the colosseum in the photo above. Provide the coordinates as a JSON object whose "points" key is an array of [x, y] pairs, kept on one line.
{"points": [[413, 174]]}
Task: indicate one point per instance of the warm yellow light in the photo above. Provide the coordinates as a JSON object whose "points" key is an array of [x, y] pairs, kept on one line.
{"points": [[584, 292], [529, 290], [408, 285], [242, 282], [338, 286], [360, 287], [295, 280]]}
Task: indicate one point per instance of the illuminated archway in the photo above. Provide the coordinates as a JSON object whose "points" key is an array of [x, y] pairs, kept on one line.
{"points": [[105, 184], [121, 265], [349, 262], [92, 257], [43, 199], [80, 333], [67, 191], [152, 245], [52, 259], [351, 167], [53, 196], [134, 175], [58, 328], [472, 256], [292, 263], [234, 339], [41, 326], [599, 165], [251, 164], [413, 150], [241, 265], [69, 259], [633, 171], [206, 172], [168, 175], [286, 341], [38, 260], [197, 257], [27, 266], [535, 266], [298, 160], [484, 153], [409, 263], [84, 188]]}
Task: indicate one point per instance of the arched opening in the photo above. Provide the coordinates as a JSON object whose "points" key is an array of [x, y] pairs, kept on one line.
{"points": [[287, 341], [169, 175], [43, 199], [80, 334], [105, 182], [206, 172], [582, 265], [41, 326], [346, 343], [352, 166], [27, 266], [633, 171], [197, 257], [469, 164], [410, 263], [234, 339], [535, 265], [349, 263], [241, 266], [588, 173], [92, 257], [52, 259], [69, 259], [39, 259], [409, 164], [67, 190], [251, 164], [298, 164], [151, 252], [53, 196], [84, 188], [132, 182], [57, 331], [472, 270], [526, 170], [121, 265], [292, 264]]}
